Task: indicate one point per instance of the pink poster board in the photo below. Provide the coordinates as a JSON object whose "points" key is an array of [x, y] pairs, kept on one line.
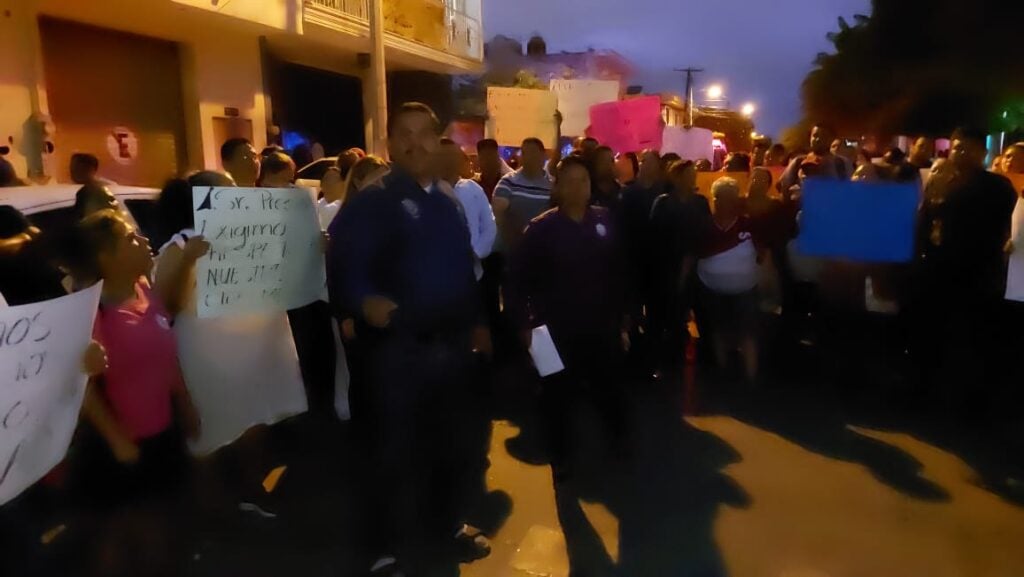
{"points": [[628, 125]]}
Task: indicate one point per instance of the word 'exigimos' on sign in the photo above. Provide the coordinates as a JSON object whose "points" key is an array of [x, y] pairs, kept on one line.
{"points": [[265, 250]]}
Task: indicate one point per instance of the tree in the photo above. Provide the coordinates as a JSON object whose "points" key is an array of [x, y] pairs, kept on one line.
{"points": [[920, 67]]}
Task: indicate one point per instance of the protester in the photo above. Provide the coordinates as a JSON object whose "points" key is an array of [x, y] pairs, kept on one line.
{"points": [[239, 159], [605, 188], [348, 159], [634, 221], [83, 169], [369, 171], [737, 162], [776, 156], [27, 274], [668, 159], [760, 151], [846, 154], [961, 274], [332, 193], [728, 274], [627, 168], [277, 170], [223, 355], [402, 262], [523, 195], [94, 197], [134, 412], [703, 165], [475, 207], [830, 165], [8, 176], [490, 165], [921, 153], [1013, 159], [677, 222], [568, 276]]}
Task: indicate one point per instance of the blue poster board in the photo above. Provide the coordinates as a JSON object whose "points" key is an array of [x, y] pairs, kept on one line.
{"points": [[858, 221]]}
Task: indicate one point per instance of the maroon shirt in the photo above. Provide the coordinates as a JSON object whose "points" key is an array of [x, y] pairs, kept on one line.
{"points": [[569, 276]]}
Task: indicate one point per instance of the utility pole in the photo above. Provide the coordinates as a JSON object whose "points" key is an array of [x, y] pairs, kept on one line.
{"points": [[378, 71], [690, 71]]}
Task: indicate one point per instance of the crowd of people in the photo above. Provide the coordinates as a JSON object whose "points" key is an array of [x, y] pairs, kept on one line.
{"points": [[439, 269]]}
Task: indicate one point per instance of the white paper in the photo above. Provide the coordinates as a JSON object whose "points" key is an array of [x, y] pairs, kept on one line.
{"points": [[1015, 271], [575, 97], [515, 114], [241, 371], [545, 355], [691, 144], [265, 250], [41, 384]]}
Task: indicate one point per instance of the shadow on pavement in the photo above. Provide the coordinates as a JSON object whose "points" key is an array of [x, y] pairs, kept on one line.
{"points": [[666, 492]]}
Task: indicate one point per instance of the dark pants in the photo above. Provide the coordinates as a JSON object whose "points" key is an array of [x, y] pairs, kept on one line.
{"points": [[593, 372], [420, 391], [314, 342], [504, 338], [668, 315]]}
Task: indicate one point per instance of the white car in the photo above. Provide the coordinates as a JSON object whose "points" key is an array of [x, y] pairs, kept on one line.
{"points": [[309, 176], [51, 206]]}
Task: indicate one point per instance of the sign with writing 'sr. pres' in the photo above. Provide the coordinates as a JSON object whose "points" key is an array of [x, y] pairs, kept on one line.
{"points": [[516, 114], [41, 384], [265, 250]]}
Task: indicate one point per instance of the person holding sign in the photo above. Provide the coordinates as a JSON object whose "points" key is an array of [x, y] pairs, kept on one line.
{"points": [[243, 370], [568, 277], [401, 261], [133, 411]]}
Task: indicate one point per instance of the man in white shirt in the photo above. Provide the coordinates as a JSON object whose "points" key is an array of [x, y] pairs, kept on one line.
{"points": [[474, 204]]}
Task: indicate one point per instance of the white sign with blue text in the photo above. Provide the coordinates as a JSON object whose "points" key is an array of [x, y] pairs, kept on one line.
{"points": [[265, 250]]}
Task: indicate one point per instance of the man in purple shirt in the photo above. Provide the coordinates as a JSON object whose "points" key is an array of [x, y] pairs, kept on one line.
{"points": [[568, 274]]}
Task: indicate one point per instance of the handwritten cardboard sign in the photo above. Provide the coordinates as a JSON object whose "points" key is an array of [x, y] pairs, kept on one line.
{"points": [[690, 143], [265, 250], [575, 97], [858, 221], [41, 384], [629, 125], [516, 114]]}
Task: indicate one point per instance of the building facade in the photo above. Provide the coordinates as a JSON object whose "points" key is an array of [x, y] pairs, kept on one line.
{"points": [[153, 87]]}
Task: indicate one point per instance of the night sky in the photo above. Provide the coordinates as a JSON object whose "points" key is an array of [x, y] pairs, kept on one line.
{"points": [[760, 54]]}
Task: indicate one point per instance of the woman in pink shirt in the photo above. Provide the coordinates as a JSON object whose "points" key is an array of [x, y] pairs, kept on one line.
{"points": [[133, 406]]}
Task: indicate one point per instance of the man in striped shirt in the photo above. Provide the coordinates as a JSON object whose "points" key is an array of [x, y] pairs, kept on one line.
{"points": [[523, 195]]}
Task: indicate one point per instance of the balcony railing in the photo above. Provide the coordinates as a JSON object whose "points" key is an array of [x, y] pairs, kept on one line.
{"points": [[354, 8], [455, 32]]}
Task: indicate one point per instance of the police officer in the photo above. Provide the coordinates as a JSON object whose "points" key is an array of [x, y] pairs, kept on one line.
{"points": [[401, 264]]}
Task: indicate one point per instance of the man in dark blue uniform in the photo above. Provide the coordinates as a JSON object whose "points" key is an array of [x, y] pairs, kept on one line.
{"points": [[401, 263]]}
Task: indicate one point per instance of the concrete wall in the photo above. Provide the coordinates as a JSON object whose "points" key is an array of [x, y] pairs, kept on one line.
{"points": [[221, 70], [220, 62], [19, 49]]}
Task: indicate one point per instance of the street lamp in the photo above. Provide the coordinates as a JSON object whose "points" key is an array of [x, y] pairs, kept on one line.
{"points": [[748, 109], [715, 92]]}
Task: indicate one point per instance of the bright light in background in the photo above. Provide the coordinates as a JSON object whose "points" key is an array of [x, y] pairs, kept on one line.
{"points": [[715, 91], [748, 109]]}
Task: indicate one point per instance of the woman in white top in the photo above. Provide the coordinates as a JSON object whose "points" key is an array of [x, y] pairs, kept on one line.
{"points": [[241, 370]]}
